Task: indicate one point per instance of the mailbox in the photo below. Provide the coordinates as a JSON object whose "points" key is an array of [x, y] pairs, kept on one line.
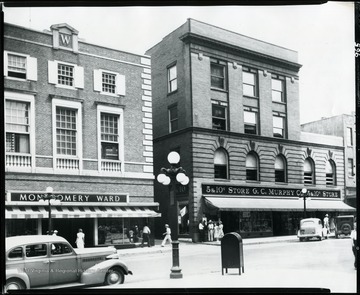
{"points": [[232, 254]]}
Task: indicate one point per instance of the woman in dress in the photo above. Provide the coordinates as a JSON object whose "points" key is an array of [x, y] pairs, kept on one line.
{"points": [[80, 239], [221, 230]]}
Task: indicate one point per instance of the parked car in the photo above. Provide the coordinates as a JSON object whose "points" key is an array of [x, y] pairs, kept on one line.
{"points": [[311, 228], [344, 224], [36, 261]]}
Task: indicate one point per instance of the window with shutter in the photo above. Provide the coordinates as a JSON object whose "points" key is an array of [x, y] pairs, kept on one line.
{"points": [[20, 66]]}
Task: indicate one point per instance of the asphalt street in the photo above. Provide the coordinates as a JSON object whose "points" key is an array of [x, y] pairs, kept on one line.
{"points": [[273, 263]]}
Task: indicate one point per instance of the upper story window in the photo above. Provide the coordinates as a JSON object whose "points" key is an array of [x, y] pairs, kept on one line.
{"points": [[111, 139], [250, 82], [278, 125], [19, 130], [221, 164], [278, 88], [349, 136], [280, 169], [20, 66], [66, 132], [17, 126], [218, 74], [109, 136], [66, 75], [252, 166], [309, 171], [109, 83], [172, 79], [219, 115], [330, 170], [350, 168], [173, 118], [251, 125]]}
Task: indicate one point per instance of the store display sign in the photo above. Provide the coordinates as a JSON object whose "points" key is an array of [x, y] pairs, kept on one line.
{"points": [[70, 197], [211, 189]]}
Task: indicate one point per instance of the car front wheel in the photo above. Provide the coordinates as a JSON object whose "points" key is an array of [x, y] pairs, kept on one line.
{"points": [[14, 284], [114, 276]]}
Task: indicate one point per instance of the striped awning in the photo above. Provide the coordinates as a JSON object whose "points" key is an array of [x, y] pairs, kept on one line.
{"points": [[35, 212], [272, 204]]}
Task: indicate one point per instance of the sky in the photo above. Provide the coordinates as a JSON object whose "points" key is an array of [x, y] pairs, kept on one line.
{"points": [[323, 36]]}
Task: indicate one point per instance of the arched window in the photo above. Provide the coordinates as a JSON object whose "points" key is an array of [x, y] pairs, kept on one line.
{"points": [[330, 171], [309, 171], [252, 166], [280, 169], [221, 164]]}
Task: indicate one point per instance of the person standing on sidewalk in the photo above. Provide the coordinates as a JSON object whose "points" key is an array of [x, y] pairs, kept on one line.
{"points": [[167, 235], [326, 223], [354, 243], [221, 230], [211, 231], [201, 232], [146, 236]]}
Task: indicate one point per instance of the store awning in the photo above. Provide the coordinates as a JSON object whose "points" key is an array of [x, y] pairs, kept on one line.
{"points": [[34, 212], [262, 204]]}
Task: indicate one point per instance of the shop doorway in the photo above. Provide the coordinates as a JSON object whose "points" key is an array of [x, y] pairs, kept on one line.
{"points": [[68, 228]]}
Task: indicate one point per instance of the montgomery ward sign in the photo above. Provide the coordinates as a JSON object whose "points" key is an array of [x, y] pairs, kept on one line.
{"points": [[210, 189], [69, 197]]}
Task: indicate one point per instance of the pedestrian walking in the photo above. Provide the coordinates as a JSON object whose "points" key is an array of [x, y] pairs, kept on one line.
{"points": [[201, 231], [80, 239], [167, 235], [146, 236], [354, 244], [221, 230], [326, 223], [211, 231]]}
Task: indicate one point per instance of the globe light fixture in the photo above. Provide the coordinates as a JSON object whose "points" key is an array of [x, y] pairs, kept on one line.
{"points": [[304, 196], [173, 158]]}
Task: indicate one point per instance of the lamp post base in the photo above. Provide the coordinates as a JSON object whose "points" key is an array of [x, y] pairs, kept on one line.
{"points": [[176, 273], [175, 270]]}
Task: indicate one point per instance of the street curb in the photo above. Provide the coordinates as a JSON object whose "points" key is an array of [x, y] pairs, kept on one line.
{"points": [[159, 249]]}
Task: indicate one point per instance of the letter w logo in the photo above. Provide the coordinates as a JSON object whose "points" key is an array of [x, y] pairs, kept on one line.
{"points": [[65, 39]]}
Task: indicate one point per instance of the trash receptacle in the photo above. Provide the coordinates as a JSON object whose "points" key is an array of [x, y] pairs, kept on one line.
{"points": [[232, 254]]}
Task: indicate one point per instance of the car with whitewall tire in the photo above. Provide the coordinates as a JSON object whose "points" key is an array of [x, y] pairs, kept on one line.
{"points": [[45, 261]]}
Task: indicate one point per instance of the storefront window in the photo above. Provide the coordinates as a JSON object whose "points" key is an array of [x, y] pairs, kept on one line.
{"points": [[121, 230], [19, 227], [255, 222]]}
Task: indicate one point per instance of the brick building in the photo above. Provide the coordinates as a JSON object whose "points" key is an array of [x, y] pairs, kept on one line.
{"points": [[78, 120], [343, 126], [229, 105]]}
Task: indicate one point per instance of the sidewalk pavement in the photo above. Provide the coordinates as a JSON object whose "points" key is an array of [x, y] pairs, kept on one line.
{"points": [[187, 241]]}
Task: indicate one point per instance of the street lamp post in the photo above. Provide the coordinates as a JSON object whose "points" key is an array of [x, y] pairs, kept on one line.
{"points": [[304, 196], [170, 177], [49, 197]]}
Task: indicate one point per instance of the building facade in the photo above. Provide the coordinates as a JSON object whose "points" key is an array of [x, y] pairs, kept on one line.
{"points": [[78, 122], [229, 105], [343, 126]]}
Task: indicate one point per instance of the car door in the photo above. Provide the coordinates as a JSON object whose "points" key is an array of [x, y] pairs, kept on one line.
{"points": [[63, 264], [36, 264]]}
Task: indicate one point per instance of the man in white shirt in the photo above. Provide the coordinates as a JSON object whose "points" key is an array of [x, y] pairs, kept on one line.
{"points": [[354, 244], [167, 234]]}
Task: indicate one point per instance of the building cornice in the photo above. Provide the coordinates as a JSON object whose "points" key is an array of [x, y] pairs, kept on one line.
{"points": [[237, 50]]}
